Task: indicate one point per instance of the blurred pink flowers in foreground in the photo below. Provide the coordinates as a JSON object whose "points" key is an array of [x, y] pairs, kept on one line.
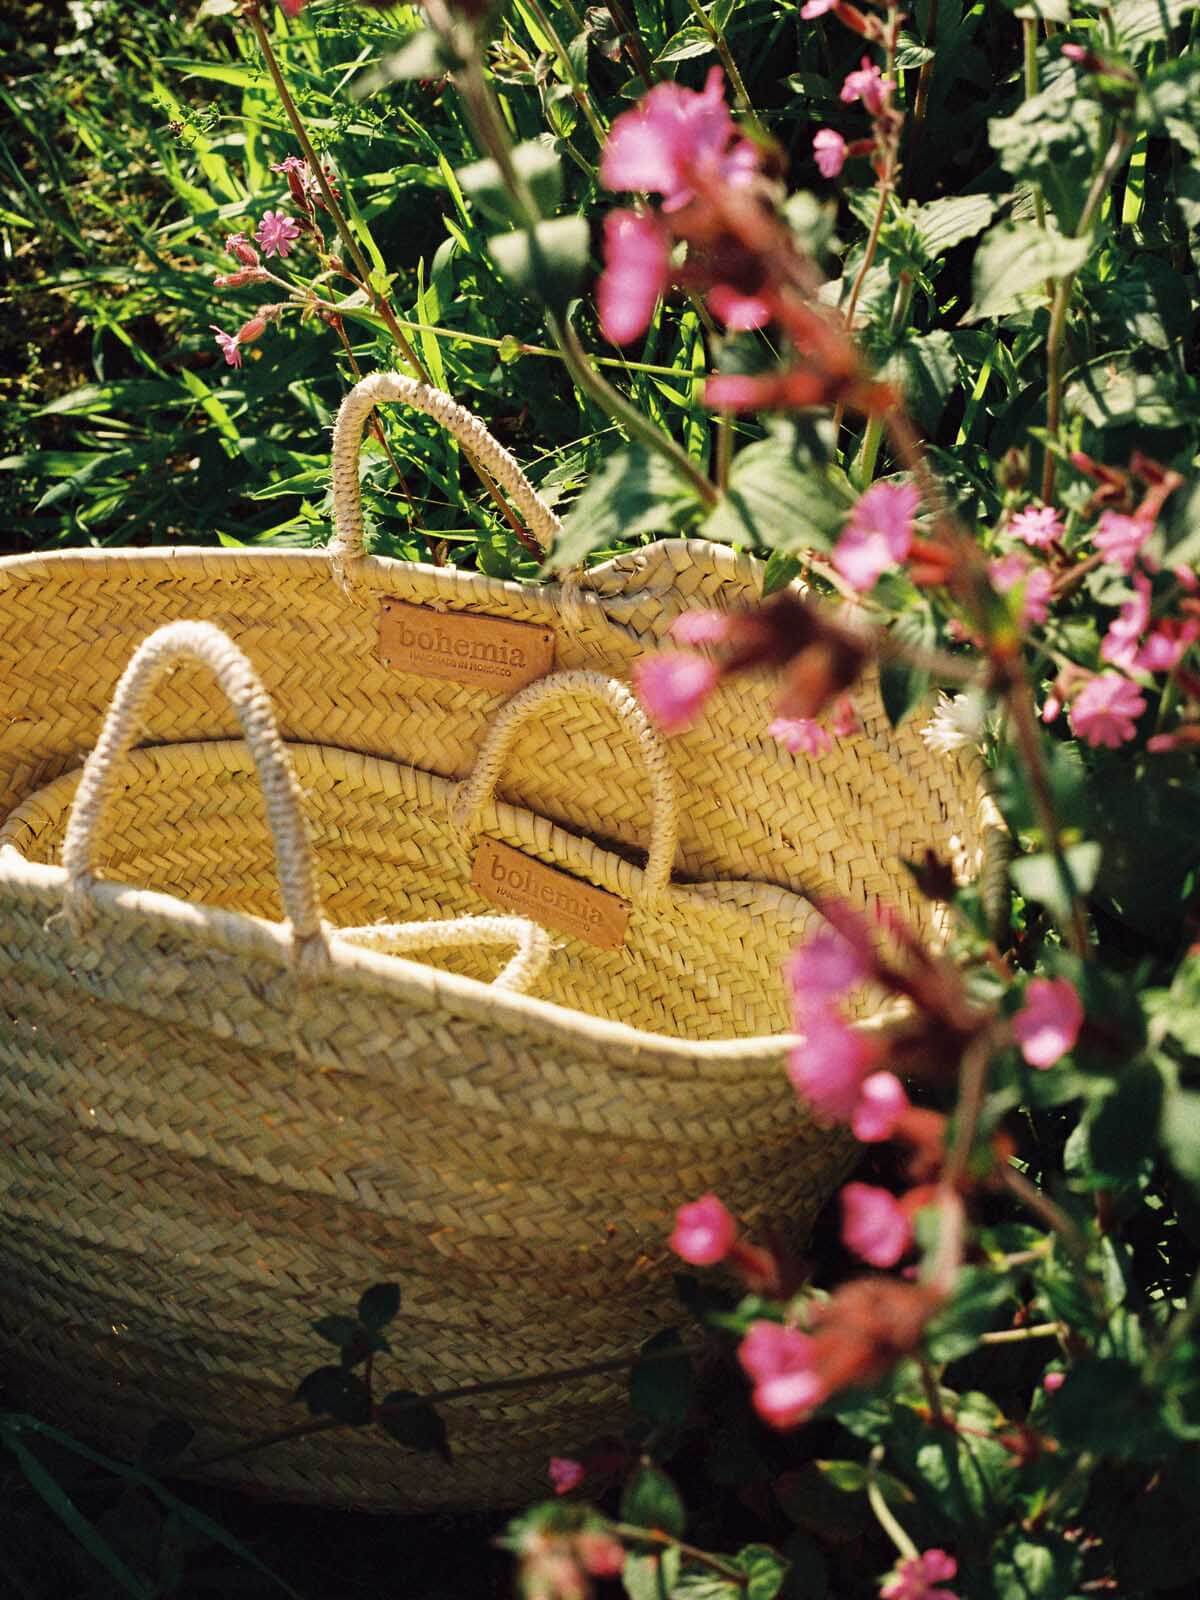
{"points": [[1106, 709], [878, 534], [875, 1225], [915, 1577], [704, 1232], [1048, 1024]]}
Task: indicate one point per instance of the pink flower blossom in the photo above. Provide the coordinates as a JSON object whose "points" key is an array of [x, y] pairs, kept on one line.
{"points": [[1039, 526], [914, 1578], [1119, 538], [844, 720], [800, 735], [822, 969], [739, 312], [1106, 709], [700, 627], [1166, 645], [600, 1554], [829, 150], [881, 1103], [1121, 641], [878, 534], [704, 1232], [565, 1474], [1053, 1382], [290, 164], [229, 346], [868, 85], [673, 687], [292, 8], [637, 270], [779, 1361], [672, 136], [1052, 709], [277, 233], [874, 1224], [1014, 569], [828, 1069], [1048, 1024], [240, 248], [817, 8]]}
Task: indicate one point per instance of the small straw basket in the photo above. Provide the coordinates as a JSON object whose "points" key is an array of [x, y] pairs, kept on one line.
{"points": [[217, 1126]]}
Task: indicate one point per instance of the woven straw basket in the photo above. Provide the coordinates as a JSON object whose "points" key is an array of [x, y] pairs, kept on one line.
{"points": [[215, 1126]]}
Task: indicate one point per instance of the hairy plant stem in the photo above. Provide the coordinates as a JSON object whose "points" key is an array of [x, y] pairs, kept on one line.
{"points": [[1104, 176], [578, 89], [666, 1541], [721, 46], [883, 1512]]}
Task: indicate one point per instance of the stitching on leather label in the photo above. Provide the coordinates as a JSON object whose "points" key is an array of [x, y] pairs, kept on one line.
{"points": [[463, 647], [555, 899]]}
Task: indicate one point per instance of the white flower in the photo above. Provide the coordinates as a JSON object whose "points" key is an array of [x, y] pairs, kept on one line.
{"points": [[955, 724]]}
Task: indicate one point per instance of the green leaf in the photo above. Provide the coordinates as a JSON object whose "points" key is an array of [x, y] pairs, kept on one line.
{"points": [[1123, 1132], [537, 163], [546, 263], [652, 1577], [1015, 260], [635, 491], [765, 1571], [780, 497], [1051, 141], [660, 1385], [902, 687], [414, 1423], [1042, 10], [1038, 876], [1141, 22], [650, 1500], [1180, 1133], [689, 42], [778, 573], [941, 224], [422, 56], [979, 1294], [925, 367], [1033, 1567], [1171, 99], [1103, 1407], [336, 1392], [966, 1476], [379, 1304]]}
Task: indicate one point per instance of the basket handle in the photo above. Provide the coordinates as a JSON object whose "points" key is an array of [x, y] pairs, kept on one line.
{"points": [[474, 792], [198, 641], [533, 943], [347, 542]]}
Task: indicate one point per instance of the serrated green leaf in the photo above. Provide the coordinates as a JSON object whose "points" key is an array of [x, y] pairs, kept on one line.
{"points": [[635, 491], [902, 687], [779, 497], [1141, 22], [1051, 140], [1015, 260], [941, 224], [691, 41]]}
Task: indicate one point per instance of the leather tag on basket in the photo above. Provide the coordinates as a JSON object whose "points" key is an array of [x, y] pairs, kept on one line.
{"points": [[519, 883], [491, 652]]}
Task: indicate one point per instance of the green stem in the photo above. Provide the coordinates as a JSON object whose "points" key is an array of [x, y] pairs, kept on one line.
{"points": [[1032, 86], [1062, 295], [868, 455], [724, 449], [666, 1541], [721, 46], [1038, 1330], [880, 1507], [1024, 722], [578, 88], [642, 63], [924, 79]]}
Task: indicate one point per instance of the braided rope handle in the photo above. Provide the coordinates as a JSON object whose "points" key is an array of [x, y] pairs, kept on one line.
{"points": [[480, 445], [534, 945], [474, 792], [242, 687]]}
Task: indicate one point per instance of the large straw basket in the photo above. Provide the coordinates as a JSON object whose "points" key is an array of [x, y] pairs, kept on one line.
{"points": [[214, 1127]]}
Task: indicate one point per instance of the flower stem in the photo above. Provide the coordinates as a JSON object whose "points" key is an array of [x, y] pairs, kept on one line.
{"points": [[1032, 86], [578, 88], [882, 1510], [721, 46], [627, 30], [666, 1541]]}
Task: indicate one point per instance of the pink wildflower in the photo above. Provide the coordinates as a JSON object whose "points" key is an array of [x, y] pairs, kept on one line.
{"points": [[673, 687], [637, 270], [1037, 582], [1052, 709], [868, 85], [822, 969], [1106, 709], [800, 735], [844, 721], [739, 312], [229, 346], [1053, 1382], [1166, 645], [565, 1474], [700, 627], [672, 136], [816, 8], [881, 1103], [1039, 526], [277, 233], [828, 1069], [779, 1362], [290, 164], [878, 534], [240, 248], [1120, 643], [600, 1554], [292, 8], [874, 1224], [914, 1577], [704, 1232], [1119, 538], [829, 150], [1048, 1024]]}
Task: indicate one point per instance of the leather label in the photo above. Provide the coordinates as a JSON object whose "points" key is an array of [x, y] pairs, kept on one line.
{"points": [[555, 899], [490, 652]]}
